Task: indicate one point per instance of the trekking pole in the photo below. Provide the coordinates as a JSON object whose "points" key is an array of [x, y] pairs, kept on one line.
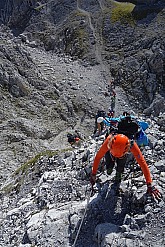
{"points": [[88, 199]]}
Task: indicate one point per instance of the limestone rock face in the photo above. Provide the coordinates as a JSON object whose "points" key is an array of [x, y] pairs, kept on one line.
{"points": [[128, 47], [61, 61], [52, 194]]}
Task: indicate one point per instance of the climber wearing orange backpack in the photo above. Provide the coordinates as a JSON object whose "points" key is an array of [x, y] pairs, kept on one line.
{"points": [[115, 148]]}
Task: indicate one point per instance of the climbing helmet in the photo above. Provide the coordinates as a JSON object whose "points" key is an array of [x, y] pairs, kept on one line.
{"points": [[119, 145]]}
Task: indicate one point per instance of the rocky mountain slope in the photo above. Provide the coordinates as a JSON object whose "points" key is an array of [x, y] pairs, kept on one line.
{"points": [[48, 201], [57, 60]]}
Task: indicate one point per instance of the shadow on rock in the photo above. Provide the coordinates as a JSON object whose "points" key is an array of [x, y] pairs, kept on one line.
{"points": [[109, 206]]}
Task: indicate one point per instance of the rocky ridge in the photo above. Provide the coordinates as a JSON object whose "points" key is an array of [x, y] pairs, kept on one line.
{"points": [[101, 33], [44, 203], [57, 95], [54, 74], [35, 90]]}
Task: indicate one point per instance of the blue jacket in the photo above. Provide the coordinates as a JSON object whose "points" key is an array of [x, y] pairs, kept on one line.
{"points": [[141, 137]]}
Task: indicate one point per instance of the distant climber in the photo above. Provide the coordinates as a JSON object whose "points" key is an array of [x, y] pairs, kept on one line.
{"points": [[74, 138], [100, 113], [103, 119], [111, 85], [111, 113], [113, 93], [133, 128], [128, 125], [115, 149], [125, 113], [113, 98]]}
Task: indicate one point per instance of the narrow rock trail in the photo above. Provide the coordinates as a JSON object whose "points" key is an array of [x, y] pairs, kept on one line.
{"points": [[101, 4], [98, 41], [54, 70], [64, 72], [64, 177], [89, 18], [43, 198], [121, 102]]}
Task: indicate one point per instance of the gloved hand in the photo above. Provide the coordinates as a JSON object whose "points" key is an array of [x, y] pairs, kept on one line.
{"points": [[93, 179], [153, 192]]}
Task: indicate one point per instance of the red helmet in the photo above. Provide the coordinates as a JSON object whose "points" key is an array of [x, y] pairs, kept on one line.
{"points": [[119, 145]]}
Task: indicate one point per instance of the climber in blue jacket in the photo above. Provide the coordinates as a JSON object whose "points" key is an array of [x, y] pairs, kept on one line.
{"points": [[140, 137]]}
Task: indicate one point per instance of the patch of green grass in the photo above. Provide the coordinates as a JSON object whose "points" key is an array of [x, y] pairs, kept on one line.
{"points": [[119, 11], [78, 32], [40, 7], [15, 185], [78, 14], [122, 12], [82, 35], [49, 153], [8, 188], [27, 165]]}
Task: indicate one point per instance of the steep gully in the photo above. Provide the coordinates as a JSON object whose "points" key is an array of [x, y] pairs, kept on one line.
{"points": [[98, 41]]}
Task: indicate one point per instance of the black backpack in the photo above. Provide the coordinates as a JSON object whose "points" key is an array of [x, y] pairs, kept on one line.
{"points": [[128, 126], [71, 138], [101, 113]]}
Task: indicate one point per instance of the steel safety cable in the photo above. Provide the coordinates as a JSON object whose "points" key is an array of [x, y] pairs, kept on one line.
{"points": [[88, 199]]}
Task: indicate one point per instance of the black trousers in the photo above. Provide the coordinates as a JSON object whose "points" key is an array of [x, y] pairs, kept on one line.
{"points": [[110, 162]]}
